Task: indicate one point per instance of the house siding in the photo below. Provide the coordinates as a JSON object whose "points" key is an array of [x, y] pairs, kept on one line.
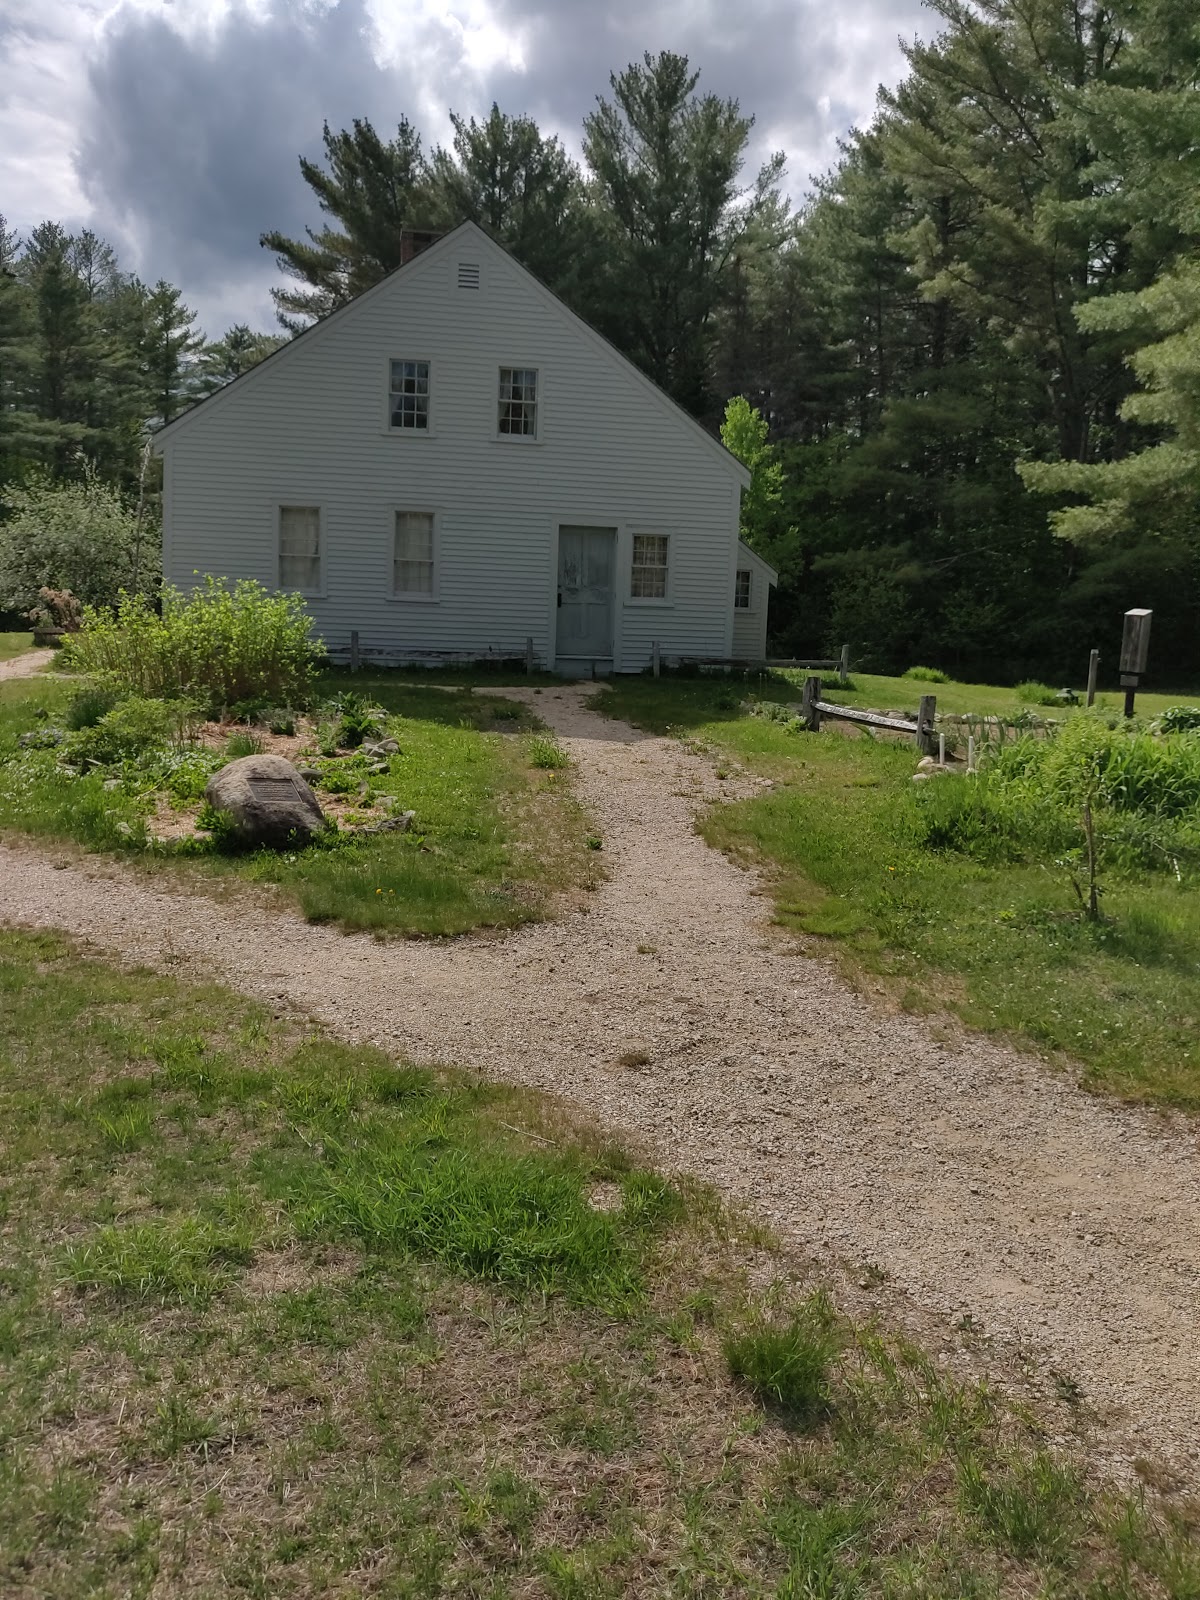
{"points": [[750, 625], [310, 428]]}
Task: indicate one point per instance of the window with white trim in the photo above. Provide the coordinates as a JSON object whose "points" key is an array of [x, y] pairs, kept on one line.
{"points": [[300, 549], [408, 403], [648, 579], [741, 590], [518, 401], [412, 564]]}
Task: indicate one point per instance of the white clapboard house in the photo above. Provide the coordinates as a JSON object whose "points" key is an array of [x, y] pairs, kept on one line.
{"points": [[454, 464]]}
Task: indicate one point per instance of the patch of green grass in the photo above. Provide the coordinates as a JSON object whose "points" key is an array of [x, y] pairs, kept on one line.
{"points": [[999, 942], [14, 644], [490, 847], [788, 1365], [548, 753], [326, 1313]]}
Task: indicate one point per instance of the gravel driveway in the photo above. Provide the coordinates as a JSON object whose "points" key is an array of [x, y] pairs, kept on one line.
{"points": [[25, 665], [975, 1180]]}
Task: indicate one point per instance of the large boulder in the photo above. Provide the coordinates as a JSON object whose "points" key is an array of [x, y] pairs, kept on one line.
{"points": [[267, 801]]}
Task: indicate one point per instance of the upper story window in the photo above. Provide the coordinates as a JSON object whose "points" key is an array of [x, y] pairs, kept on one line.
{"points": [[741, 590], [409, 402], [300, 549], [648, 579], [518, 401]]}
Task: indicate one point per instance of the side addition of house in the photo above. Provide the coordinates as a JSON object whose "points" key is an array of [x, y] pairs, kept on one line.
{"points": [[455, 464]]}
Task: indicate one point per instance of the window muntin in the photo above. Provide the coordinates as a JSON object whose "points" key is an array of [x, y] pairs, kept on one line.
{"points": [[741, 590], [648, 578], [300, 549], [408, 403], [412, 563], [518, 401]]}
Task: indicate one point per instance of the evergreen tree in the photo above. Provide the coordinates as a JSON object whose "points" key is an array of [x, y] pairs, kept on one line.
{"points": [[375, 191], [665, 164], [227, 358]]}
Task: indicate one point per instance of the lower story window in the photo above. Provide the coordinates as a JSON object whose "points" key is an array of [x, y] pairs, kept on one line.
{"points": [[300, 548], [648, 580], [413, 556], [741, 590]]}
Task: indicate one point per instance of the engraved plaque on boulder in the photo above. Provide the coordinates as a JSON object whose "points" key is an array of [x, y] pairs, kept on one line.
{"points": [[267, 801]]}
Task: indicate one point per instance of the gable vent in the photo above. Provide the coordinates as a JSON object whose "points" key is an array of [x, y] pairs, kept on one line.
{"points": [[468, 274]]}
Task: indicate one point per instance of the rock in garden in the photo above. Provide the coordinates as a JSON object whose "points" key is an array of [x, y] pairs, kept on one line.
{"points": [[267, 801]]}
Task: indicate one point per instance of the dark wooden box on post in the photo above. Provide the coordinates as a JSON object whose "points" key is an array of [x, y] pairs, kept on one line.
{"points": [[1135, 652]]}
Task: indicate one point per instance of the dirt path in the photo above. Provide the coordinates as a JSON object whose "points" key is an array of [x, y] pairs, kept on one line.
{"points": [[976, 1180], [24, 666]]}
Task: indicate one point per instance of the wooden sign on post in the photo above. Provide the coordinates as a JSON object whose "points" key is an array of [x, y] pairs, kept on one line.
{"points": [[1135, 651]]}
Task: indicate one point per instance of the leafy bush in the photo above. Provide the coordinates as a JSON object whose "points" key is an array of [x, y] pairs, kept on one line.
{"points": [[1032, 693], [92, 702], [788, 1366], [78, 536], [133, 726], [1179, 719], [221, 644], [928, 675], [357, 719]]}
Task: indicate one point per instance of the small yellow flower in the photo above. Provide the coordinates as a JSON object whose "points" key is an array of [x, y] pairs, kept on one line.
{"points": [[379, 891]]}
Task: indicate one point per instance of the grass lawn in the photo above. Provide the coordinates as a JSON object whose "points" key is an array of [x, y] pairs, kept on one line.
{"points": [[904, 694], [14, 644], [1001, 945], [281, 1317], [496, 837]]}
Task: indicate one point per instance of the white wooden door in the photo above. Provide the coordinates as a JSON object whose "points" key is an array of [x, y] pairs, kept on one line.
{"points": [[586, 576]]}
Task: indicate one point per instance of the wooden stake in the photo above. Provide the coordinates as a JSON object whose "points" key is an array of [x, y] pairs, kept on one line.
{"points": [[810, 694], [654, 658], [528, 655], [971, 753], [1093, 674], [354, 653], [844, 665], [926, 719]]}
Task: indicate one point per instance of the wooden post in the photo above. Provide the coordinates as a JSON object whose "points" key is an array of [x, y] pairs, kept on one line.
{"points": [[809, 696], [528, 655], [655, 663], [926, 718], [1093, 674], [844, 665], [941, 749], [1135, 649], [354, 651], [971, 752]]}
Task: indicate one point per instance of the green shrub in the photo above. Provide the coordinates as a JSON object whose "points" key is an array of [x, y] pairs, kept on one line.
{"points": [[133, 726], [928, 675], [92, 702], [242, 744], [1179, 719], [357, 719], [788, 1366], [221, 644], [1032, 693]]}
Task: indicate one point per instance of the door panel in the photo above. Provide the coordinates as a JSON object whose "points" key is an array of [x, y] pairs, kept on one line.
{"points": [[586, 573]]}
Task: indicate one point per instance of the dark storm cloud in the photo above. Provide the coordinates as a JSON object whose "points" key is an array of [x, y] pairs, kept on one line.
{"points": [[806, 69], [191, 144], [194, 140]]}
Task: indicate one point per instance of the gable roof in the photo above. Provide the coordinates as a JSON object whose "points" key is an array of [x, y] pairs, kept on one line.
{"points": [[756, 560], [420, 263]]}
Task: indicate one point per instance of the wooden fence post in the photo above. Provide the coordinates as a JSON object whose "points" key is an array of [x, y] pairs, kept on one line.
{"points": [[654, 658], [528, 655], [809, 696], [844, 665], [926, 719], [354, 651], [1093, 673]]}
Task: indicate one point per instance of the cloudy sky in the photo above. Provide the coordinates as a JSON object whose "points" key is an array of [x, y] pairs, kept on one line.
{"points": [[172, 127]]}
